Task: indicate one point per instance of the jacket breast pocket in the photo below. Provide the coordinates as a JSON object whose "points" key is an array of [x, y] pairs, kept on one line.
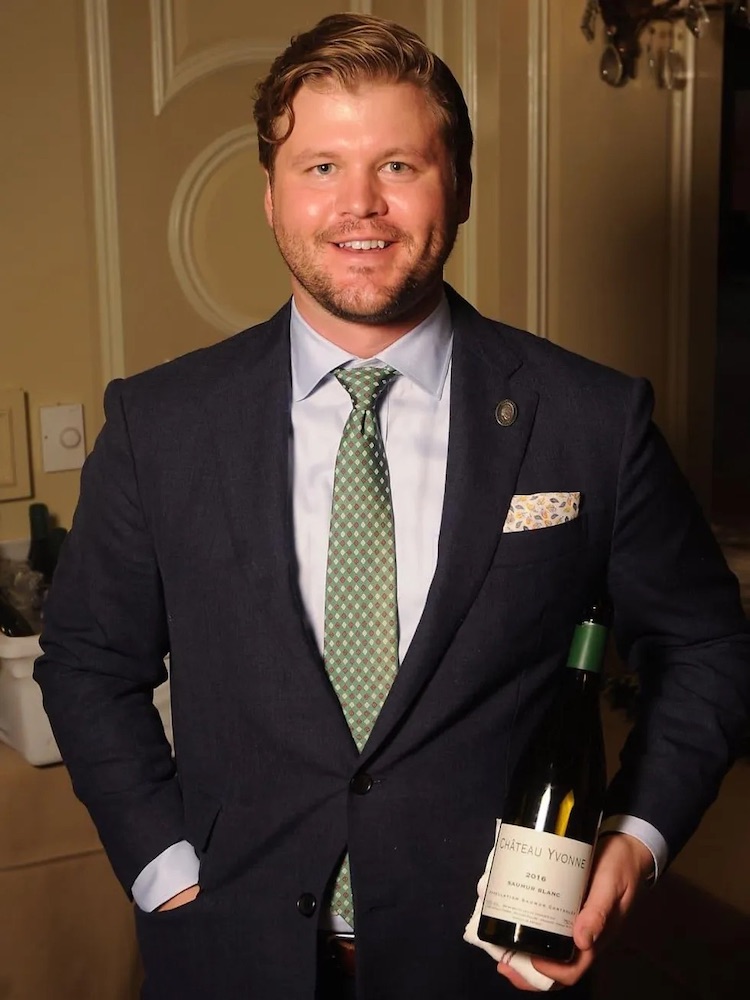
{"points": [[519, 548]]}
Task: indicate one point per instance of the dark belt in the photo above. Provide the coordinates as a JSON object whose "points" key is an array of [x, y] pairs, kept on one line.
{"points": [[338, 952]]}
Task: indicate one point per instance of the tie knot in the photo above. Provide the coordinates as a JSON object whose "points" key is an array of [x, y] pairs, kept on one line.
{"points": [[365, 385]]}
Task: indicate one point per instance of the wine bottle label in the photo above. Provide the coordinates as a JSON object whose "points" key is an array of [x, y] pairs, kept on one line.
{"points": [[537, 879]]}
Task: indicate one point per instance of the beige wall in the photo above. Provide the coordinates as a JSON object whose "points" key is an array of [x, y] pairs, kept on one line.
{"points": [[632, 224], [48, 334], [131, 187]]}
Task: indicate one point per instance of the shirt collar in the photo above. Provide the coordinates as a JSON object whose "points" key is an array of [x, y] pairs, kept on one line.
{"points": [[423, 354]]}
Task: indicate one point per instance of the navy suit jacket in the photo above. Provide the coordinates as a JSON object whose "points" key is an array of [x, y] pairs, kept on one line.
{"points": [[182, 542]]}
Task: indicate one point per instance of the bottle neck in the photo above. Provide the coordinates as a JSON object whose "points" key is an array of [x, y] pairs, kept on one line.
{"points": [[587, 647], [39, 521]]}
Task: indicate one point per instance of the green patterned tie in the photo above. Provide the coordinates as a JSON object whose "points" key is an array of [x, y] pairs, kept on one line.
{"points": [[360, 644]]}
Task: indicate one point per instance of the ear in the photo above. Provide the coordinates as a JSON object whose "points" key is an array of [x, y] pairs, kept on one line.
{"points": [[268, 199], [464, 199]]}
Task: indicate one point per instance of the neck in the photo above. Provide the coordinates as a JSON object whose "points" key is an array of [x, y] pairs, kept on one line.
{"points": [[364, 340]]}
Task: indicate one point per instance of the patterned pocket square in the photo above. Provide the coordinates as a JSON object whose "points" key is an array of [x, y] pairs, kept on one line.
{"points": [[528, 511]]}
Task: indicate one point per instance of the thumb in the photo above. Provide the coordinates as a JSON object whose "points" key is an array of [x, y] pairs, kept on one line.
{"points": [[601, 901]]}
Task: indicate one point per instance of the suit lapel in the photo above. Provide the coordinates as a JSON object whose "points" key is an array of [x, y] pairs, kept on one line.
{"points": [[251, 414], [484, 458]]}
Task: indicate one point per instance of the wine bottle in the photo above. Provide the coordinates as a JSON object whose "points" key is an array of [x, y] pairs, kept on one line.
{"points": [[12, 622], [41, 557], [552, 813]]}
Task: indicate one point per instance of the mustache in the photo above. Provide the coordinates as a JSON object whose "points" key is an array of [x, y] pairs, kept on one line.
{"points": [[356, 230]]}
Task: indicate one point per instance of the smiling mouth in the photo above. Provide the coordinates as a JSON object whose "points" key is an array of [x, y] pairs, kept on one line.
{"points": [[364, 245]]}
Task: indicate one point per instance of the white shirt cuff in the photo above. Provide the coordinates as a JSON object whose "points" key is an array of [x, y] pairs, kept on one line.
{"points": [[172, 871], [648, 835]]}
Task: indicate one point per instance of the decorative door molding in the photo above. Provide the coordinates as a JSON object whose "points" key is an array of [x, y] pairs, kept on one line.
{"points": [[111, 337], [470, 235], [537, 246], [171, 75], [681, 194], [181, 229]]}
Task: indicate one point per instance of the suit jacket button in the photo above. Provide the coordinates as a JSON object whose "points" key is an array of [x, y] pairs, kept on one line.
{"points": [[307, 904], [361, 783]]}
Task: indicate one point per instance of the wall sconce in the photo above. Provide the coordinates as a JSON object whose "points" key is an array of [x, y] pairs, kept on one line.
{"points": [[625, 21]]}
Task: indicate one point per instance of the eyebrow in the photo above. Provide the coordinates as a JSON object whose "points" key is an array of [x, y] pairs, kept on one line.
{"points": [[307, 155], [407, 151], [329, 156]]}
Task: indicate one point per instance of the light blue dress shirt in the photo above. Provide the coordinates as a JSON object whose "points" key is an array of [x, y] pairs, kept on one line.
{"points": [[414, 420]]}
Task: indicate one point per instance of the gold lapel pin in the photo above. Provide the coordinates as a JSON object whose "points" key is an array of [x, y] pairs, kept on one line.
{"points": [[506, 412]]}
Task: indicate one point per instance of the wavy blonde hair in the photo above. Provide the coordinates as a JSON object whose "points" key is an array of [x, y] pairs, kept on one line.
{"points": [[350, 49]]}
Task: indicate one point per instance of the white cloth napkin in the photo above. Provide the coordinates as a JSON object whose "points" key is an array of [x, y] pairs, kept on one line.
{"points": [[517, 960]]}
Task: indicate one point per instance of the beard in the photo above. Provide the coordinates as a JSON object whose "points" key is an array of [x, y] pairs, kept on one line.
{"points": [[375, 305]]}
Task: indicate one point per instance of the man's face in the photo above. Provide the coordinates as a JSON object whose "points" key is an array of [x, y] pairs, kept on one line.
{"points": [[365, 168]]}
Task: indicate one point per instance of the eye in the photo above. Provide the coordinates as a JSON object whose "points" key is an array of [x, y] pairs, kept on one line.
{"points": [[397, 167], [323, 169]]}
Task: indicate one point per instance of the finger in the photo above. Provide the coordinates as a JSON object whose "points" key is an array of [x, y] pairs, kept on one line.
{"points": [[568, 973], [617, 876], [515, 978], [591, 924], [602, 901]]}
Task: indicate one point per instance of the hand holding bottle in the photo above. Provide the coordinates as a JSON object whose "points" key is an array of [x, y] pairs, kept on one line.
{"points": [[621, 867]]}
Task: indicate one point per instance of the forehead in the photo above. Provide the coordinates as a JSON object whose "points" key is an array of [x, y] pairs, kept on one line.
{"points": [[375, 111]]}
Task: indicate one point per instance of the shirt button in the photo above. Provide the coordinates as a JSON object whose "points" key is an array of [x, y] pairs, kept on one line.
{"points": [[361, 783], [307, 904]]}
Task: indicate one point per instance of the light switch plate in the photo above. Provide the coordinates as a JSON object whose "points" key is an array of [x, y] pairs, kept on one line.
{"points": [[63, 441]]}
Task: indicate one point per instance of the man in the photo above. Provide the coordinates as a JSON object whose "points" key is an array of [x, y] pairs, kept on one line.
{"points": [[346, 709]]}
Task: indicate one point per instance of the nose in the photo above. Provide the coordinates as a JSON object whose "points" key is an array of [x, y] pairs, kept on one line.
{"points": [[360, 195]]}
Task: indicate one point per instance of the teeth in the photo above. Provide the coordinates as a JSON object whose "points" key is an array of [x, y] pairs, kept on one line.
{"points": [[364, 244]]}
